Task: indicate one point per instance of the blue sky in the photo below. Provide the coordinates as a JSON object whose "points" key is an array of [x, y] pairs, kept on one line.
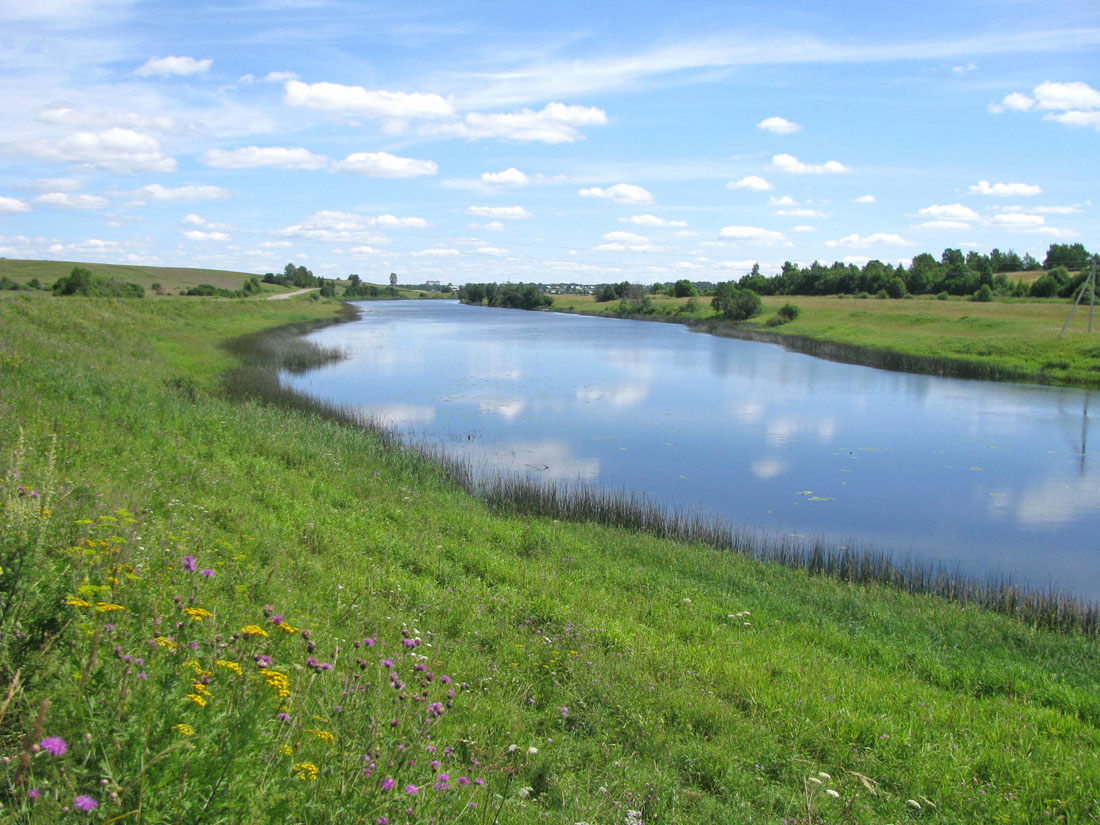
{"points": [[585, 142]]}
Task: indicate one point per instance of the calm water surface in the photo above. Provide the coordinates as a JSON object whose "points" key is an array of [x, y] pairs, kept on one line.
{"points": [[991, 477]]}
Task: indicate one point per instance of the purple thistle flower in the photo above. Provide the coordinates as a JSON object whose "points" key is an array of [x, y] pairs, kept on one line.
{"points": [[85, 803], [34, 793], [462, 780], [206, 571], [412, 790], [276, 620], [189, 566], [388, 783], [55, 745]]}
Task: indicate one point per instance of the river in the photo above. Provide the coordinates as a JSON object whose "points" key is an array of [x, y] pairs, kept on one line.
{"points": [[993, 478]]}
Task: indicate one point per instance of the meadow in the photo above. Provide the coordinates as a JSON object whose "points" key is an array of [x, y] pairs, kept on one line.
{"points": [[219, 603], [1013, 339]]}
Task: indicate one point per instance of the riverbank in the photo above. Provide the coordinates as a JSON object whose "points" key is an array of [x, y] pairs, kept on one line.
{"points": [[1013, 340], [629, 672]]}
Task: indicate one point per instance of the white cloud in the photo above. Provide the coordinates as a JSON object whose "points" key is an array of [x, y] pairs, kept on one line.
{"points": [[356, 100], [200, 235], [349, 227], [554, 123], [784, 200], [384, 165], [156, 192], [392, 222], [778, 125], [491, 250], [364, 250], [436, 253], [1046, 210], [279, 77], [855, 241], [71, 201], [1077, 119], [858, 260], [624, 193], [508, 212], [85, 117], [965, 68], [1053, 232], [9, 206], [177, 66], [945, 224], [753, 183], [625, 237], [953, 212], [792, 165], [804, 228], [864, 199], [1075, 95], [651, 220], [1005, 190], [1018, 220], [115, 150], [1017, 102], [801, 212], [509, 177], [252, 157], [58, 185], [193, 220], [755, 234]]}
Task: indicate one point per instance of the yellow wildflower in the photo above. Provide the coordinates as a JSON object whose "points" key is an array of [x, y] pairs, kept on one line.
{"points": [[186, 730], [73, 601], [198, 613], [112, 580], [288, 628], [286, 750], [323, 735], [107, 607], [164, 641], [236, 668], [199, 687], [198, 700], [306, 770], [253, 630], [277, 680], [195, 666]]}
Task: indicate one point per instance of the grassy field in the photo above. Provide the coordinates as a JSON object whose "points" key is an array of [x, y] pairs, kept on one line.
{"points": [[1018, 340], [216, 611], [173, 280]]}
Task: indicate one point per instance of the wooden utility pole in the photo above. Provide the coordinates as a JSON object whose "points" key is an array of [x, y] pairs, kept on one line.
{"points": [[1090, 285]]}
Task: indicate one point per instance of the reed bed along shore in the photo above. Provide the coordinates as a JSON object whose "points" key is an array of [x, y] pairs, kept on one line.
{"points": [[267, 352]]}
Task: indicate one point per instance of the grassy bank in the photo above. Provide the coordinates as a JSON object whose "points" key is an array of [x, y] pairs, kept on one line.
{"points": [[163, 569], [999, 340]]}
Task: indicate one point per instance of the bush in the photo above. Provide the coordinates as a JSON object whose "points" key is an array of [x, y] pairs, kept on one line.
{"points": [[1045, 287], [788, 312], [735, 304], [81, 281], [983, 295], [941, 296]]}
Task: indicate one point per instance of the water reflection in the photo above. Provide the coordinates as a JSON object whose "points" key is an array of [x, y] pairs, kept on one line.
{"points": [[989, 476]]}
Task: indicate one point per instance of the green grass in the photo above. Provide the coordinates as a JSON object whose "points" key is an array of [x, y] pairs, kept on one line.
{"points": [[650, 675], [1013, 340]]}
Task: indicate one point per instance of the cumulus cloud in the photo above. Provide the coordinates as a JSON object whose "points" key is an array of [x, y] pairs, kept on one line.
{"points": [[156, 192], [953, 211], [68, 200], [804, 228], [1006, 190], [174, 66], [792, 165], [384, 165], [755, 234], [778, 125], [436, 253], [252, 157], [801, 212], [1073, 104], [943, 225], [356, 100], [491, 250], [1018, 220], [753, 183], [114, 150], [626, 242], [624, 193], [554, 123], [509, 177], [508, 212], [9, 206], [333, 225], [864, 199], [202, 235], [87, 117], [279, 77], [878, 238], [651, 220]]}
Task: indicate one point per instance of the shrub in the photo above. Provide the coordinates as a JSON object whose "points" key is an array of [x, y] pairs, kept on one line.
{"points": [[941, 296], [983, 295], [735, 304], [788, 312]]}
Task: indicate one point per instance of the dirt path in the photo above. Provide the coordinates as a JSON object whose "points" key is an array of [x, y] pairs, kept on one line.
{"points": [[282, 295]]}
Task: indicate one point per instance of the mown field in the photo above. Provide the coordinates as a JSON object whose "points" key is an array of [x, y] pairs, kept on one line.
{"points": [[1016, 337], [228, 611]]}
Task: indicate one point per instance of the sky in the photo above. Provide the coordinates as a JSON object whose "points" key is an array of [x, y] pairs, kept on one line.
{"points": [[553, 142]]}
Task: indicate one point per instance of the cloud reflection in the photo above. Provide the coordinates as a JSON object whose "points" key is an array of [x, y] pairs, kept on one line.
{"points": [[620, 395]]}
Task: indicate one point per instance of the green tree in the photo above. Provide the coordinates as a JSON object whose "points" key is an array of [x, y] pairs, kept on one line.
{"points": [[733, 303], [684, 289]]}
